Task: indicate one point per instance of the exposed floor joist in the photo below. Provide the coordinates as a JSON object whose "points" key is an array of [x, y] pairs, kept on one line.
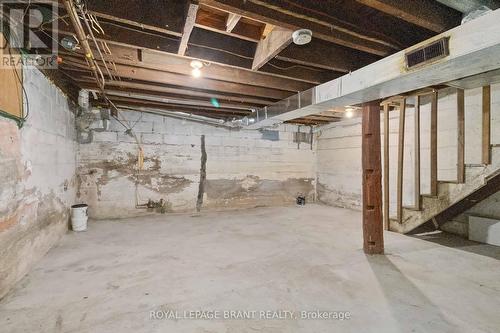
{"points": [[268, 48], [268, 13], [469, 56], [424, 13], [188, 27]]}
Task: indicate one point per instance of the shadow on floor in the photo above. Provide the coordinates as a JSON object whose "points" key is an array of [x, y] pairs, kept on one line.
{"points": [[412, 310], [457, 242]]}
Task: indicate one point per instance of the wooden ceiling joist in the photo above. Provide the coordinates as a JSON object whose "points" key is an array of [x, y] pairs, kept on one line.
{"points": [[155, 76], [228, 23], [424, 13], [270, 13], [162, 61], [165, 91], [277, 40], [176, 107], [188, 27], [232, 20]]}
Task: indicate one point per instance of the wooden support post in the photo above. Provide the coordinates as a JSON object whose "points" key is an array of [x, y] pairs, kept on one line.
{"points": [[401, 151], [417, 151], [460, 136], [373, 234], [434, 145], [486, 125], [386, 166]]}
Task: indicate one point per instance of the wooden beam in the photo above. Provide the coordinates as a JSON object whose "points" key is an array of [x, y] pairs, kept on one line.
{"points": [[222, 105], [461, 136], [423, 13], [386, 166], [401, 151], [486, 137], [215, 20], [135, 24], [338, 33], [177, 107], [155, 76], [434, 144], [275, 42], [135, 87], [232, 20], [167, 62], [188, 27], [417, 200], [373, 234]]}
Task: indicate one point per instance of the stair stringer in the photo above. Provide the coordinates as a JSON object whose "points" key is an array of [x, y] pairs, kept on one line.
{"points": [[448, 194]]}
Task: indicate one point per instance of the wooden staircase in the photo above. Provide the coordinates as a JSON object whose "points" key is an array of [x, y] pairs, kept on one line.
{"points": [[446, 199]]}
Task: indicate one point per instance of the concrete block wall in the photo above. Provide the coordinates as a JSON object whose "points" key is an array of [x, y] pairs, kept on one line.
{"points": [[338, 158], [242, 169], [37, 178]]}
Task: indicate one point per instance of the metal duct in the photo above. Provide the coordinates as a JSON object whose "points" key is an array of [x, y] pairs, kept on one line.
{"points": [[469, 55]]}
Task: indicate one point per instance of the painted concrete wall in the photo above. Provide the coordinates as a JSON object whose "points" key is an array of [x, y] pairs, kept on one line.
{"points": [[338, 161], [37, 179], [242, 169]]}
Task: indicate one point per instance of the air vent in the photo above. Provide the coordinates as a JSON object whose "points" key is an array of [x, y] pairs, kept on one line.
{"points": [[428, 53]]}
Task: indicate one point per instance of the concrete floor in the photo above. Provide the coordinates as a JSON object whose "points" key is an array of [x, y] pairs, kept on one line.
{"points": [[299, 259]]}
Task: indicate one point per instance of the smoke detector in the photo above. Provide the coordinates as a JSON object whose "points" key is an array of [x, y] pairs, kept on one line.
{"points": [[302, 36]]}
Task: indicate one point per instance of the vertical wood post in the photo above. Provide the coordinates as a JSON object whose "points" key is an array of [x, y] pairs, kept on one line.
{"points": [[417, 151], [401, 153], [434, 144], [461, 136], [373, 234], [386, 166], [486, 125]]}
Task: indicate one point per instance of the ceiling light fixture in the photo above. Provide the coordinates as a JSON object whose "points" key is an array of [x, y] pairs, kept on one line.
{"points": [[196, 65], [302, 36]]}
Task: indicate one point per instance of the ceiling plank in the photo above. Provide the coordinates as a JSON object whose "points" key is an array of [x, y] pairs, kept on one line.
{"points": [[320, 54], [215, 20], [232, 20], [278, 39], [188, 27], [346, 35], [424, 13]]}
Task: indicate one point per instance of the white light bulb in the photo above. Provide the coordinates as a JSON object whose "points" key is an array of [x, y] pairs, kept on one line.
{"points": [[349, 113], [196, 72]]}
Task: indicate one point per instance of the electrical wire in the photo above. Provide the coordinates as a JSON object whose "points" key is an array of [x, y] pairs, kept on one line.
{"points": [[25, 115], [294, 66]]}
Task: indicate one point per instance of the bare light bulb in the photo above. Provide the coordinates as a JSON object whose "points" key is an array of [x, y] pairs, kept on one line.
{"points": [[349, 113], [196, 72]]}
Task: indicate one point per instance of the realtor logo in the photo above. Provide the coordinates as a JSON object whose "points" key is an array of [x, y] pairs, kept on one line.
{"points": [[28, 33]]}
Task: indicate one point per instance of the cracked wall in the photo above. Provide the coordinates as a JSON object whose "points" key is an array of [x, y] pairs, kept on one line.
{"points": [[37, 179], [241, 168]]}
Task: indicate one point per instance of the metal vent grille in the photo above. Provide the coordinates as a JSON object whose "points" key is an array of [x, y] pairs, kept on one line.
{"points": [[428, 53]]}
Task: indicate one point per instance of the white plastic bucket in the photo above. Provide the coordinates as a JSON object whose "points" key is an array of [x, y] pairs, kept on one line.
{"points": [[79, 217]]}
